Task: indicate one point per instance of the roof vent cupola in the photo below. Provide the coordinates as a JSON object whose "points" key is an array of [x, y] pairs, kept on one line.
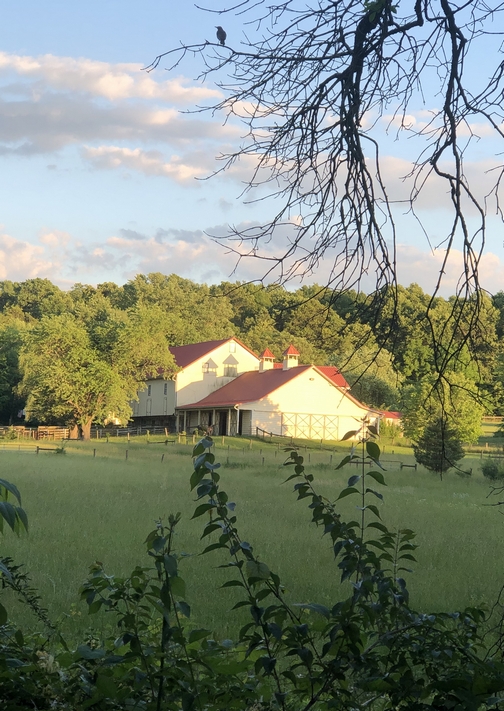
{"points": [[290, 358], [267, 360]]}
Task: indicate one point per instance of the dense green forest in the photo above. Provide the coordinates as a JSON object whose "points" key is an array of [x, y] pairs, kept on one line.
{"points": [[113, 336]]}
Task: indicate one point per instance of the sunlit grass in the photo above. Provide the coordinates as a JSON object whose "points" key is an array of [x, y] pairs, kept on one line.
{"points": [[95, 505]]}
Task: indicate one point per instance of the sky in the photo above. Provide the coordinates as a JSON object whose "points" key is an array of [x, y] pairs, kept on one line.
{"points": [[103, 171]]}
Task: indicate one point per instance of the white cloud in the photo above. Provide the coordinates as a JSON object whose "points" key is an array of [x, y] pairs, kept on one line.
{"points": [[102, 79], [147, 162], [416, 265], [195, 255], [21, 260]]}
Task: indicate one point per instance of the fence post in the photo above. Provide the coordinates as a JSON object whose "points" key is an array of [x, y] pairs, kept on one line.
{"points": [[128, 435], [38, 449], [94, 452], [126, 455], [162, 458]]}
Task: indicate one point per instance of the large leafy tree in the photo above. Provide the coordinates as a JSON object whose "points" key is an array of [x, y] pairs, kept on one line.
{"points": [[11, 335], [80, 371], [453, 399]]}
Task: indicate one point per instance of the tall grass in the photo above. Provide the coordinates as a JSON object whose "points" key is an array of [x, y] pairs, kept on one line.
{"points": [[84, 508]]}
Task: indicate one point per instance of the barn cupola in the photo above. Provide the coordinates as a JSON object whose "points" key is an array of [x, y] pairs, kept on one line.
{"points": [[290, 357], [267, 360]]}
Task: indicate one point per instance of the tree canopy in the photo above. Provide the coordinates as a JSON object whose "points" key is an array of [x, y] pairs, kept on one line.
{"points": [[127, 329], [80, 371]]}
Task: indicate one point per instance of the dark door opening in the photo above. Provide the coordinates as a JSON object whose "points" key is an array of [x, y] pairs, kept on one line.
{"points": [[223, 423]]}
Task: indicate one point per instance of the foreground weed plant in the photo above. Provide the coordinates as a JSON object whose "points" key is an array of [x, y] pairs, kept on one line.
{"points": [[368, 651]]}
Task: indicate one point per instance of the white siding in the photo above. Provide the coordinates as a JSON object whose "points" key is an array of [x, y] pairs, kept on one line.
{"points": [[308, 407], [193, 384]]}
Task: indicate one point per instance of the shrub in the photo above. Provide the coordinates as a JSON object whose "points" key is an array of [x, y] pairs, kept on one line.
{"points": [[492, 469]]}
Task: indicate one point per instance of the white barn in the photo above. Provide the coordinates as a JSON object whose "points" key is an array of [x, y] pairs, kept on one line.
{"points": [[292, 400]]}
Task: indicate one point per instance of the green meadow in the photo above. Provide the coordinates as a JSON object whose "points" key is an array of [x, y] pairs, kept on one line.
{"points": [[94, 504]]}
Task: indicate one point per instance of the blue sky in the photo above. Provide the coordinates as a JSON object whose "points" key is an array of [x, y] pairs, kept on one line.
{"points": [[99, 167]]}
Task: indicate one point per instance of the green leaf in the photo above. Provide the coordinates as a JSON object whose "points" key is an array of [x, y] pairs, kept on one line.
{"points": [[352, 433], [184, 608], [202, 509], [257, 570], [21, 513], [4, 570], [8, 513], [196, 477], [344, 462], [378, 525], [377, 476], [12, 488], [376, 493], [374, 509], [373, 429], [347, 492], [95, 606], [213, 547], [315, 607], [170, 565], [178, 586], [196, 635], [85, 652], [106, 686], [3, 615], [233, 584], [198, 449], [373, 450], [353, 480]]}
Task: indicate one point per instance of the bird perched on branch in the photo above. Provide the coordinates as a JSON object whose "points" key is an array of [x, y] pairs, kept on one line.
{"points": [[221, 35]]}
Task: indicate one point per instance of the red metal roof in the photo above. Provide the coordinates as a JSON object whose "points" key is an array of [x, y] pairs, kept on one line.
{"points": [[391, 415], [291, 351], [247, 387], [185, 355], [333, 374], [267, 354]]}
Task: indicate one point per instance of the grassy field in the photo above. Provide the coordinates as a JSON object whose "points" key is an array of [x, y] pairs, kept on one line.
{"points": [[94, 504]]}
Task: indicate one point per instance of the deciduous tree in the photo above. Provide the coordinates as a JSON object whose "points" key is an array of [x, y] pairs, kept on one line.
{"points": [[84, 371]]}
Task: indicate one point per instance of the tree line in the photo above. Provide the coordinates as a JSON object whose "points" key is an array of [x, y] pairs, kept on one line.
{"points": [[78, 356]]}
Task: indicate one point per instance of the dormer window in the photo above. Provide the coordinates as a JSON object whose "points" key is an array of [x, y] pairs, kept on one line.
{"points": [[232, 346], [230, 371]]}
